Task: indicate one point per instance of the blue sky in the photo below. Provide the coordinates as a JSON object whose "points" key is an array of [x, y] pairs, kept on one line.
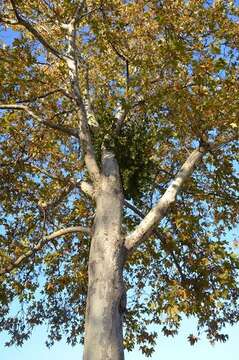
{"points": [[167, 348]]}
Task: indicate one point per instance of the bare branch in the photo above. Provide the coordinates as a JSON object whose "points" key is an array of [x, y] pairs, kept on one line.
{"points": [[147, 225], [84, 186], [41, 243], [70, 184], [222, 140], [34, 32], [72, 61], [87, 102], [120, 52], [21, 107]]}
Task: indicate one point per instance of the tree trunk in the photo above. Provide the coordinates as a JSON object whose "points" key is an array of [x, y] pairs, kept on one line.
{"points": [[103, 325]]}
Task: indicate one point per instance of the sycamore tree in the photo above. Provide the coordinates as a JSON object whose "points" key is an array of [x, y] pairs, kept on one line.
{"points": [[118, 170]]}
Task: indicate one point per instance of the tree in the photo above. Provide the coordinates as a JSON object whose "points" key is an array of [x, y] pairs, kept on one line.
{"points": [[118, 149]]}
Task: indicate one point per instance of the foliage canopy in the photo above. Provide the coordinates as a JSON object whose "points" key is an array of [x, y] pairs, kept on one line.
{"points": [[168, 70]]}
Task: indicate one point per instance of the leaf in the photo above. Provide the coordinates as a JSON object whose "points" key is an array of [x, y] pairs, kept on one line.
{"points": [[192, 339]]}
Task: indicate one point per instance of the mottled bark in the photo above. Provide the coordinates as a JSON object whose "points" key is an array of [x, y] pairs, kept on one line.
{"points": [[103, 327], [157, 213]]}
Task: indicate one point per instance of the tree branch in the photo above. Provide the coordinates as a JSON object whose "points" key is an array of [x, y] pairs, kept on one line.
{"points": [[69, 131], [72, 61], [147, 225], [161, 237], [120, 116], [34, 32], [222, 140], [84, 132], [64, 192], [78, 11], [87, 102], [22, 101], [45, 172], [87, 188], [40, 245], [157, 213], [66, 130], [21, 107]]}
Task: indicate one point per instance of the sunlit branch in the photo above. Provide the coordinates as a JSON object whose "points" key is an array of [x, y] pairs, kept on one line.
{"points": [[87, 188], [70, 184], [51, 7], [159, 235], [223, 140], [45, 172], [88, 102], [120, 116], [19, 261], [67, 186], [8, 21], [66, 130], [84, 132], [157, 213]]}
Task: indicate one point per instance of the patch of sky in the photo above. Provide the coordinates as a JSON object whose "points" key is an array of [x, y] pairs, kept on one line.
{"points": [[86, 34], [235, 3], [2, 230], [207, 4], [7, 36]]}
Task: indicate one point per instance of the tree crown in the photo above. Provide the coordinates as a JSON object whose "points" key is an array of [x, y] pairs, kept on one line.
{"points": [[155, 81]]}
